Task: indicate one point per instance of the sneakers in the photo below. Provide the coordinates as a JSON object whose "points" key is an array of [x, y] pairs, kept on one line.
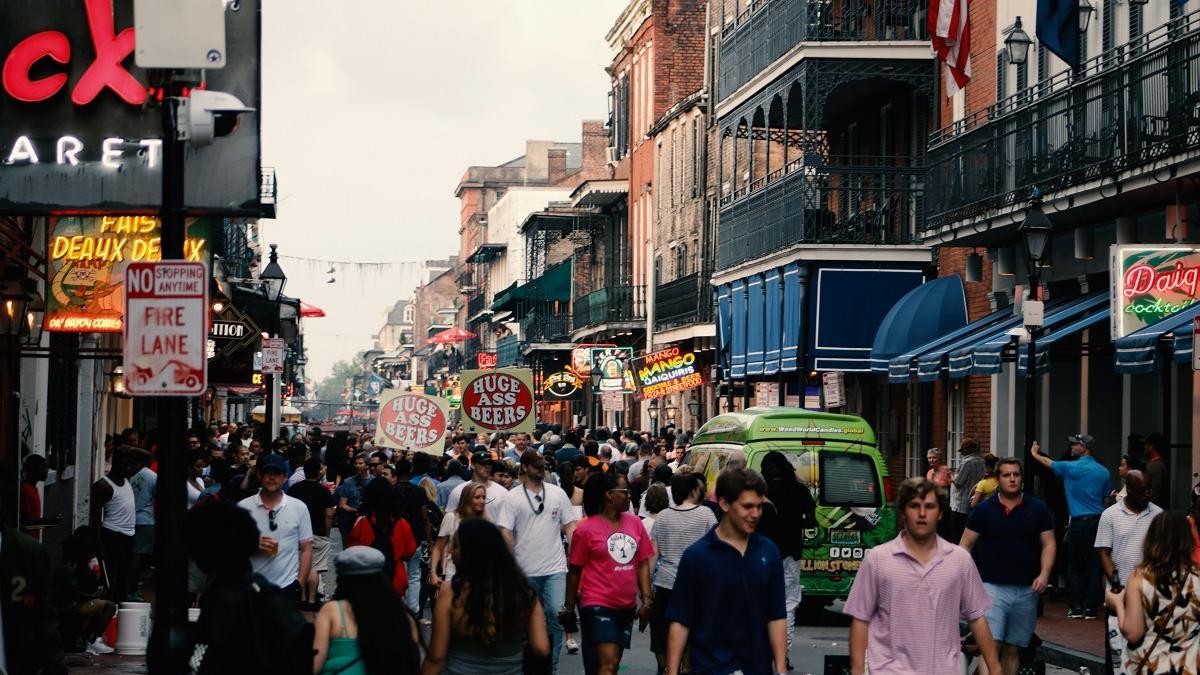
{"points": [[1074, 613], [1090, 614], [98, 647], [572, 646]]}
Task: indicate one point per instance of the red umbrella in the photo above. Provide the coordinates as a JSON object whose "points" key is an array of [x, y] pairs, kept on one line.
{"points": [[311, 311], [451, 335]]}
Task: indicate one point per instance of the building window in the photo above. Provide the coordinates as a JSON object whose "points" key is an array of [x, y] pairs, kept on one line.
{"points": [[912, 432], [956, 421], [696, 158], [681, 260], [658, 270]]}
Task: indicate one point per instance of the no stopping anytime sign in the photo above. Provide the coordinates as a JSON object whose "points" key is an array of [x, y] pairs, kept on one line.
{"points": [[498, 400]]}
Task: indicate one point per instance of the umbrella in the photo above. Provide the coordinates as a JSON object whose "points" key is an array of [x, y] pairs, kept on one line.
{"points": [[452, 335], [311, 311]]}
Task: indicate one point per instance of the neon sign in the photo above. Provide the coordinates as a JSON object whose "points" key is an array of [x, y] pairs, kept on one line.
{"points": [[667, 372], [105, 72], [1152, 283]]}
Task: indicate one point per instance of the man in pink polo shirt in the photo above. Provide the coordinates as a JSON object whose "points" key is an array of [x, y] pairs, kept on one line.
{"points": [[910, 592]]}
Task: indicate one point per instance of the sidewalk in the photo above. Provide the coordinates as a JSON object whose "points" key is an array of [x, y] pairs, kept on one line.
{"points": [[1070, 643]]}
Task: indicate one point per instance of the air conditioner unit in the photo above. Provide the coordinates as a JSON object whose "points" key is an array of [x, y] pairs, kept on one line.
{"points": [[614, 155]]}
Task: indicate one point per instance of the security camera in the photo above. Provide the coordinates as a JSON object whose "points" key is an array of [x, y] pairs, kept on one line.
{"points": [[207, 115]]}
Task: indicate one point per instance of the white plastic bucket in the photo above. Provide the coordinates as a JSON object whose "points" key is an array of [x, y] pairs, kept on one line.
{"points": [[133, 628], [193, 614]]}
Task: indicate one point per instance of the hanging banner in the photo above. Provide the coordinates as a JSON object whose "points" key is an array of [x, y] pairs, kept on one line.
{"points": [[86, 261], [411, 421], [667, 372], [614, 365], [497, 400], [1151, 283]]}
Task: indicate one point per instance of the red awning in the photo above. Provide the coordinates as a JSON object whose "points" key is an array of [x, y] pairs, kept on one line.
{"points": [[452, 335], [311, 311]]}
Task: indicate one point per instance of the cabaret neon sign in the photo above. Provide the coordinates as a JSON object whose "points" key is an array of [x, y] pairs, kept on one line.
{"points": [[67, 151]]}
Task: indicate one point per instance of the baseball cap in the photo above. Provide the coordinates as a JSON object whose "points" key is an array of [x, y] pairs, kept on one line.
{"points": [[272, 462], [1087, 441], [359, 561]]}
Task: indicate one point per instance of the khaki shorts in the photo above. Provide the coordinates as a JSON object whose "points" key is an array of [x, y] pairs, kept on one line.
{"points": [[320, 557]]}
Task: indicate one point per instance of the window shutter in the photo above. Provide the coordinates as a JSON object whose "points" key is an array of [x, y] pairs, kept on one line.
{"points": [[1108, 25], [1001, 74], [1042, 72], [1023, 76], [1135, 21]]}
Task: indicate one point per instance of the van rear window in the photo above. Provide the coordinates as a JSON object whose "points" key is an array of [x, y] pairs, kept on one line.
{"points": [[849, 480]]}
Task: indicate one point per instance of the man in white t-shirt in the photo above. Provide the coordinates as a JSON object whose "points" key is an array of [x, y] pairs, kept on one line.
{"points": [[535, 517], [481, 472]]}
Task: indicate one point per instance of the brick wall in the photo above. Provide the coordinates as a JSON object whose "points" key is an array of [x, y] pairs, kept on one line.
{"points": [[679, 215], [679, 55]]}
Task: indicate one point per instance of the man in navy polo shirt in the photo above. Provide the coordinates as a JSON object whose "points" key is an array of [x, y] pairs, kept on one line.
{"points": [[1011, 536], [1086, 483], [729, 592]]}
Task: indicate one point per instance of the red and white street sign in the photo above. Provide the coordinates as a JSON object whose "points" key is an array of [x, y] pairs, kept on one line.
{"points": [[166, 328], [272, 355]]}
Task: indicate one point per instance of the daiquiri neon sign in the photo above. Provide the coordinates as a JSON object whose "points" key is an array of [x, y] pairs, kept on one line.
{"points": [[1152, 284]]}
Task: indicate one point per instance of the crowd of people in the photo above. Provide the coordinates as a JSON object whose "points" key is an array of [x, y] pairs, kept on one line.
{"points": [[509, 552]]}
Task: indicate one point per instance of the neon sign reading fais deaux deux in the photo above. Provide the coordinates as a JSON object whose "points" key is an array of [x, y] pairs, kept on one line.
{"points": [[1151, 283], [82, 131]]}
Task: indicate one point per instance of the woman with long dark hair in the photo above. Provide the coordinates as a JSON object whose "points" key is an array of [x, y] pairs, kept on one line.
{"points": [[357, 634], [1159, 612], [379, 525], [488, 615]]}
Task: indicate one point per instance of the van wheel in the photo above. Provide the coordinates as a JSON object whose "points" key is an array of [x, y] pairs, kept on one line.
{"points": [[812, 610]]}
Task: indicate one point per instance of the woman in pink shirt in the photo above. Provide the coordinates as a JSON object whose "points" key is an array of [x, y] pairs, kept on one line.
{"points": [[939, 471]]}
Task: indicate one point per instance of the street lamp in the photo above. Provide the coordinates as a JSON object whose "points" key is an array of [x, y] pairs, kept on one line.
{"points": [[694, 406], [1086, 9], [1017, 43], [672, 411], [273, 280], [1035, 235], [116, 383], [35, 313], [652, 410], [13, 300]]}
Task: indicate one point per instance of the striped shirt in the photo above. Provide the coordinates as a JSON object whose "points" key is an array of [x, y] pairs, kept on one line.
{"points": [[674, 531], [1123, 532], [912, 610], [970, 471]]}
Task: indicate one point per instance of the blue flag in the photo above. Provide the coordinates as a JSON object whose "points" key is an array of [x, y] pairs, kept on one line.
{"points": [[1058, 28]]}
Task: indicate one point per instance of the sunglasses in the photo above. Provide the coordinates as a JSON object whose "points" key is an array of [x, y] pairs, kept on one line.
{"points": [[374, 464], [271, 518], [625, 490]]}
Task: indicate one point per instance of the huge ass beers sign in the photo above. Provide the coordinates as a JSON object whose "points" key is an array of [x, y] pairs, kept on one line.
{"points": [[82, 131], [498, 400], [411, 421]]}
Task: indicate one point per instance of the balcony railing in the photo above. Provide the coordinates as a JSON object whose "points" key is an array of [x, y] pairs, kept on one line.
{"points": [[537, 327], [852, 200], [1133, 106], [476, 304], [684, 301], [771, 28], [613, 304]]}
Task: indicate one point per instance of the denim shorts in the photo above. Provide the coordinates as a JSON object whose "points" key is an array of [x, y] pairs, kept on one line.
{"points": [[1013, 614], [603, 624]]}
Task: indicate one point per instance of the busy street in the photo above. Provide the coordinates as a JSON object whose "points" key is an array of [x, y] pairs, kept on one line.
{"points": [[545, 337]]}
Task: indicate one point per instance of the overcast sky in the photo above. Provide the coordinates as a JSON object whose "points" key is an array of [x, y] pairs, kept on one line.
{"points": [[373, 109]]}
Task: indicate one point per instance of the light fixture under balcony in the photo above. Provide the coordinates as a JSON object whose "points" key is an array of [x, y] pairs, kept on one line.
{"points": [[1017, 43], [1086, 10]]}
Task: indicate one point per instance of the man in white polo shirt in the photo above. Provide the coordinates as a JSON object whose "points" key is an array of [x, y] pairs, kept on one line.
{"points": [[1120, 538], [481, 472], [285, 529], [535, 516]]}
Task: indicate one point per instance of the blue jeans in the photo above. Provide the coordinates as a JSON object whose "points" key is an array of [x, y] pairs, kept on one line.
{"points": [[412, 597], [552, 591], [1083, 578]]}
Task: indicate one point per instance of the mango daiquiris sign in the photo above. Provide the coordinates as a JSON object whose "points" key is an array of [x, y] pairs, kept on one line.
{"points": [[666, 372], [1150, 283]]}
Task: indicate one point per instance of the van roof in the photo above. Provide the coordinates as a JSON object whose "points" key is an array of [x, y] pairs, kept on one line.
{"points": [[778, 423]]}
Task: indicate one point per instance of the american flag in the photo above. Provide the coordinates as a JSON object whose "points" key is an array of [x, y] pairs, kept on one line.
{"points": [[950, 31]]}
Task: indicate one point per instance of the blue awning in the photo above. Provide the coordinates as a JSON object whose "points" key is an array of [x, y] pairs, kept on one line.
{"points": [[848, 303], [984, 357], [724, 329], [754, 325], [1045, 342], [903, 367], [793, 300], [774, 323], [1138, 353], [934, 308], [737, 346]]}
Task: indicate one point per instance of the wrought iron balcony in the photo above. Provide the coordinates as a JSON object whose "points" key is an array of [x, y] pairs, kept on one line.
{"points": [[477, 304], [1135, 106], [771, 28], [851, 200], [614, 304], [542, 327], [684, 301]]}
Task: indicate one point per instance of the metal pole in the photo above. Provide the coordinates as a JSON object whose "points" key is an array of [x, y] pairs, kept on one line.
{"points": [[1031, 387], [170, 577]]}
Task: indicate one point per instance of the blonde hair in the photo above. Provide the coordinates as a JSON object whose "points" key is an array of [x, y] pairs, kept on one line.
{"points": [[464, 511]]}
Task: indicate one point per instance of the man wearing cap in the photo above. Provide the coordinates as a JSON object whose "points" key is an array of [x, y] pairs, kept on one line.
{"points": [[1086, 483], [481, 472], [284, 526], [535, 516]]}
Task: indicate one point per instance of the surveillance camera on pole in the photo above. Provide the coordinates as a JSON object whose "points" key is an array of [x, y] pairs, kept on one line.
{"points": [[207, 115]]}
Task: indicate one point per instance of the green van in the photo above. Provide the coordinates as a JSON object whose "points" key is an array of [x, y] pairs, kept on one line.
{"points": [[835, 456]]}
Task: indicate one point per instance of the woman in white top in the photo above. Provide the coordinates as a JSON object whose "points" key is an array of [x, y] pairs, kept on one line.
{"points": [[195, 479], [472, 504]]}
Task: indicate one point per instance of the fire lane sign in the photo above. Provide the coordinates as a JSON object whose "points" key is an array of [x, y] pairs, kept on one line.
{"points": [[166, 328]]}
